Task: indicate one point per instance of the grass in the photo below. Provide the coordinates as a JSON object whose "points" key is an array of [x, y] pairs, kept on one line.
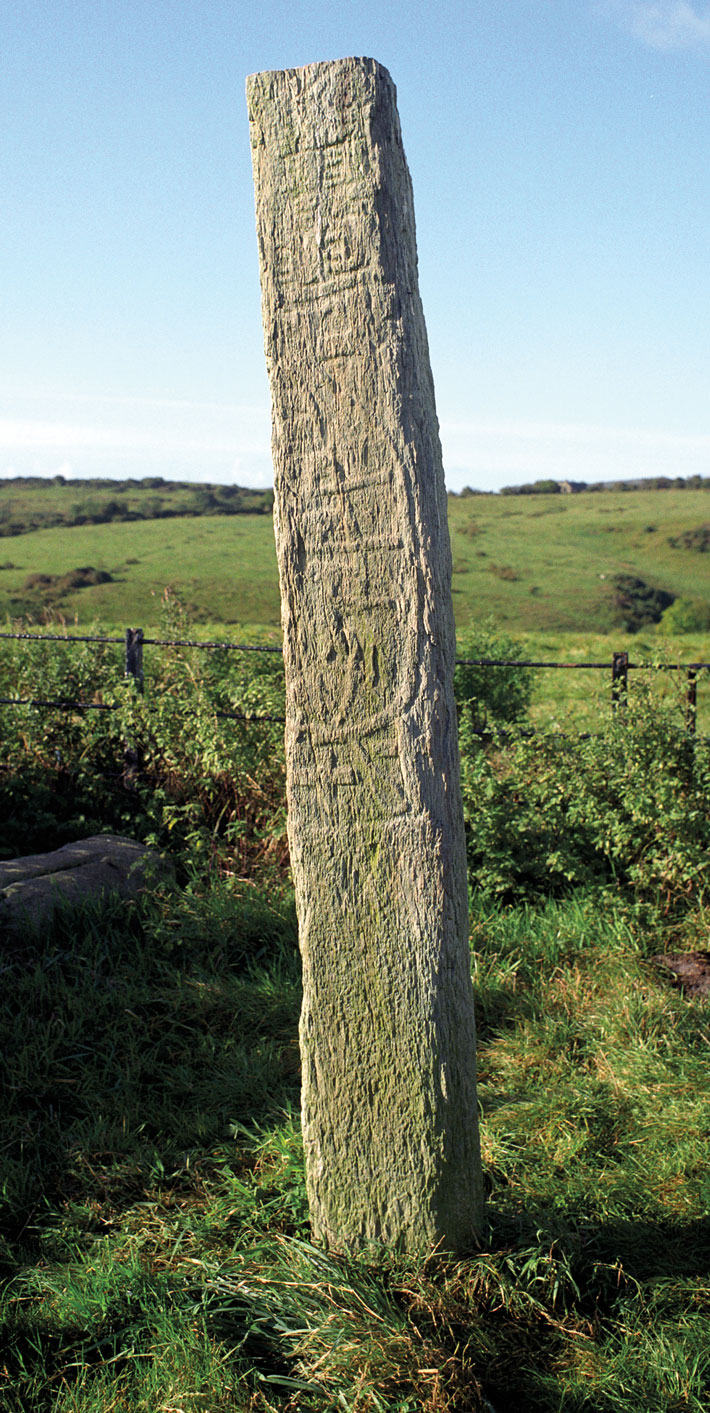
{"points": [[154, 1229], [546, 563], [33, 503], [562, 551], [578, 700], [225, 567], [534, 563]]}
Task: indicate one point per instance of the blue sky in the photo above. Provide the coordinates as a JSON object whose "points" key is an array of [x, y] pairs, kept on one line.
{"points": [[559, 152]]}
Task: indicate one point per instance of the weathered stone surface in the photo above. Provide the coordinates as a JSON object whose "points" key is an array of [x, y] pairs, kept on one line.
{"points": [[689, 970], [32, 887], [375, 817]]}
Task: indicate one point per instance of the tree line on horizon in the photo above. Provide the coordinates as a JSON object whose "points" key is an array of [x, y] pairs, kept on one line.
{"points": [[547, 487], [39, 503]]}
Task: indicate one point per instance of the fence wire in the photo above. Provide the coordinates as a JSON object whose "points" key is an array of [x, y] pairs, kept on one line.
{"points": [[228, 646], [133, 639], [63, 703], [154, 642]]}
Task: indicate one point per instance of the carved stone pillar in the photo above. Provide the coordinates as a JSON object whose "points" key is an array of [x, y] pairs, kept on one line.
{"points": [[375, 816]]}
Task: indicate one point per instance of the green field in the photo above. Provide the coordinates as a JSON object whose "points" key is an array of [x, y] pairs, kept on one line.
{"points": [[34, 503], [548, 562], [532, 563], [224, 569], [540, 567]]}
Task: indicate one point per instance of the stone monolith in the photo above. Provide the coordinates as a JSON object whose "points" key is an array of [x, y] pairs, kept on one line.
{"points": [[374, 810]]}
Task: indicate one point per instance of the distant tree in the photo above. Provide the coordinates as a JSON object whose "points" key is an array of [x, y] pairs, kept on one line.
{"points": [[113, 510], [636, 603], [533, 488]]}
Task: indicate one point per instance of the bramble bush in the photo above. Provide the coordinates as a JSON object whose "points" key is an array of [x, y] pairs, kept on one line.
{"points": [[548, 812], [209, 788], [490, 696]]}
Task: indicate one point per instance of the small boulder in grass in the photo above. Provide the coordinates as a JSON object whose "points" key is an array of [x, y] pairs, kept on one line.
{"points": [[32, 887], [690, 970]]}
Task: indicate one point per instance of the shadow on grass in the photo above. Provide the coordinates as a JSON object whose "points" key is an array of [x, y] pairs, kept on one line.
{"points": [[557, 1291], [135, 1037]]}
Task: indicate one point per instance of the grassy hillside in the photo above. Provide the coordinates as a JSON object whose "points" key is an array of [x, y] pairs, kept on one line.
{"points": [[548, 562], [224, 569], [34, 503], [543, 563]]}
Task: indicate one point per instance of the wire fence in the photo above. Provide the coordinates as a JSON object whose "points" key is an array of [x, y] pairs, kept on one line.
{"points": [[133, 642]]}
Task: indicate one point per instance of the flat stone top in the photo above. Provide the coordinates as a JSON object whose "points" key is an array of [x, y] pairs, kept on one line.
{"points": [[109, 848], [311, 70]]}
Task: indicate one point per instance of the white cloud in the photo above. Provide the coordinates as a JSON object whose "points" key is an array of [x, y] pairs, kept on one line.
{"points": [[663, 24]]}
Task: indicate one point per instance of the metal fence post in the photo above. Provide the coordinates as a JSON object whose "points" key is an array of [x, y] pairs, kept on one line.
{"points": [[134, 656], [619, 679], [134, 673], [691, 701]]}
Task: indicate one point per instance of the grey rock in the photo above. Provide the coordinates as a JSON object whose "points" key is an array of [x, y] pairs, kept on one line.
{"points": [[31, 888], [689, 970]]}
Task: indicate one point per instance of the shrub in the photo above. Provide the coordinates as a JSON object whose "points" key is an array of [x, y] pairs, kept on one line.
{"points": [[66, 583], [487, 697], [686, 616], [630, 806], [206, 784], [504, 571], [697, 539], [543, 813], [636, 603]]}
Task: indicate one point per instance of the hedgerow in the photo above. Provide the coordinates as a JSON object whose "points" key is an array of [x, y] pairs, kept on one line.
{"points": [[544, 812]]}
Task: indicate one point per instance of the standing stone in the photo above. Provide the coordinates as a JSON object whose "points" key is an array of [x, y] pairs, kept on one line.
{"points": [[374, 809]]}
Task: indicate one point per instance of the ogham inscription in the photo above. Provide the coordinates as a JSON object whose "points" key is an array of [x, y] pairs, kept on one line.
{"points": [[374, 811]]}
